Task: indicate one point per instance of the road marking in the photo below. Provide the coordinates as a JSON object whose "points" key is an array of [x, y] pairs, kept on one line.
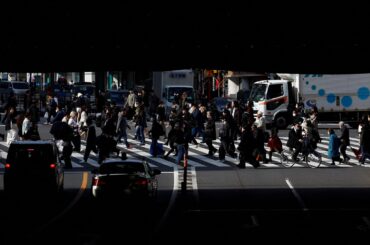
{"points": [[71, 204], [195, 184], [200, 157], [254, 220], [172, 199], [295, 193]]}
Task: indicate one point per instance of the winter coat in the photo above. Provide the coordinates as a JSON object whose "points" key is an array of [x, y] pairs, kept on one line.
{"points": [[333, 150], [210, 130]]}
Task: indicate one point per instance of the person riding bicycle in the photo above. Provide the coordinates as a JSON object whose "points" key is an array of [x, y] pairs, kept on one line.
{"points": [[295, 139], [310, 139]]}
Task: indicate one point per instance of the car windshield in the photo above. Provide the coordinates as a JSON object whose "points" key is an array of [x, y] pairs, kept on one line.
{"points": [[127, 168], [20, 86], [258, 92], [179, 91]]}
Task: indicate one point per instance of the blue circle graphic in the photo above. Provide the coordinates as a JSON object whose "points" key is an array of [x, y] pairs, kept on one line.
{"points": [[363, 93], [321, 92], [313, 87], [346, 101], [330, 98]]}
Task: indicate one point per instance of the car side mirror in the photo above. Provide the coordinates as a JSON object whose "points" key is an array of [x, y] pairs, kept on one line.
{"points": [[156, 172]]}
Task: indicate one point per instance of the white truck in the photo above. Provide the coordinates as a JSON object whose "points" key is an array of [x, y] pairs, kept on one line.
{"points": [[337, 97], [167, 84]]}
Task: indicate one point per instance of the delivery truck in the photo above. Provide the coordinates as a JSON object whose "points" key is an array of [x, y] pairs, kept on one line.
{"points": [[167, 85], [337, 97]]}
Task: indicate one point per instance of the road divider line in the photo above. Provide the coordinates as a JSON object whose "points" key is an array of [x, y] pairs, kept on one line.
{"points": [[195, 184], [172, 199], [296, 194]]}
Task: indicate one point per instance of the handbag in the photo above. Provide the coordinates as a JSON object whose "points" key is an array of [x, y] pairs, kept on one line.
{"points": [[46, 115]]}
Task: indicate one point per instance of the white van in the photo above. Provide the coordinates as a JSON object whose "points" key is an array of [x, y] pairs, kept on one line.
{"points": [[19, 87]]}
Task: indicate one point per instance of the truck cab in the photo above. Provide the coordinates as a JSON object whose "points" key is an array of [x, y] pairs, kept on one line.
{"points": [[275, 99]]}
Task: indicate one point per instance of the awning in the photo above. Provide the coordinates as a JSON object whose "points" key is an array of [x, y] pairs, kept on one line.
{"points": [[243, 74]]}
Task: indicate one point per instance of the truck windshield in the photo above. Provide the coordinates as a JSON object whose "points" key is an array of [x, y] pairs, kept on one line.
{"points": [[178, 91], [258, 92]]}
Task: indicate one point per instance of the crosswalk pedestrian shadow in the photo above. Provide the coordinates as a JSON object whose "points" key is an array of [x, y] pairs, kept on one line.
{"points": [[197, 157]]}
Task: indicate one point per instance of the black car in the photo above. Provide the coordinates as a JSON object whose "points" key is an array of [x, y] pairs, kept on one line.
{"points": [[117, 96], [33, 167], [124, 179]]}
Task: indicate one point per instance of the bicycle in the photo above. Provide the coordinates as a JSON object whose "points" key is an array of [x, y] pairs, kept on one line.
{"points": [[307, 155]]}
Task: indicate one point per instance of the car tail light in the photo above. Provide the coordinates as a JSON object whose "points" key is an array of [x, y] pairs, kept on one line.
{"points": [[98, 182], [141, 182], [53, 165], [7, 165]]}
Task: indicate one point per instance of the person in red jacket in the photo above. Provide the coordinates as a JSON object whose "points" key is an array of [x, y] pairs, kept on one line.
{"points": [[274, 143]]}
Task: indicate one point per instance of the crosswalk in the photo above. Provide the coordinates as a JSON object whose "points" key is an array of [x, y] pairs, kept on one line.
{"points": [[197, 156]]}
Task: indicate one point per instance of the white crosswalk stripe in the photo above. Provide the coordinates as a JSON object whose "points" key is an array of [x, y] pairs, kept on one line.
{"points": [[197, 156], [201, 157]]}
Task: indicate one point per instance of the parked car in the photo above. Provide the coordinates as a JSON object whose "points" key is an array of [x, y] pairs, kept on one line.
{"points": [[124, 179], [33, 166], [18, 87]]}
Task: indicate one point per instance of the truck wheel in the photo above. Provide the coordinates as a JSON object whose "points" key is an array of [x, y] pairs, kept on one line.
{"points": [[281, 121]]}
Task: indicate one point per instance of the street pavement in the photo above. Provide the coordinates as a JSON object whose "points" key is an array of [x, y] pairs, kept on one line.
{"points": [[221, 204]]}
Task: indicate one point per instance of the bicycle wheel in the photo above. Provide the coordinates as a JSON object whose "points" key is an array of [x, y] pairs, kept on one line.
{"points": [[286, 159], [313, 160]]}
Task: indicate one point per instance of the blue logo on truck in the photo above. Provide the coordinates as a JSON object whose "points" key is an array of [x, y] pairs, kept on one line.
{"points": [[363, 93], [330, 98], [346, 101], [321, 92]]}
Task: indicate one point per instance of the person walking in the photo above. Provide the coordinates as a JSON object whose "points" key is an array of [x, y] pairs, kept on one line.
{"points": [[210, 134], [344, 141], [333, 150], [122, 125], [90, 139]]}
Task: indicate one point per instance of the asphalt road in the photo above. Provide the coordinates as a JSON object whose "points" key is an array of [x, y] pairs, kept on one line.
{"points": [[222, 204]]}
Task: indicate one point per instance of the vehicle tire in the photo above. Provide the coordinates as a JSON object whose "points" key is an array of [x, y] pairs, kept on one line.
{"points": [[281, 121], [286, 159]]}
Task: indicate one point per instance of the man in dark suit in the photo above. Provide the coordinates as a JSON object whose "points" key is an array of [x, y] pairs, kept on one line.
{"points": [[60, 114], [295, 139]]}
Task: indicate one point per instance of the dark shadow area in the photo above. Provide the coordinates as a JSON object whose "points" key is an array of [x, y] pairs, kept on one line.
{"points": [[271, 216]]}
